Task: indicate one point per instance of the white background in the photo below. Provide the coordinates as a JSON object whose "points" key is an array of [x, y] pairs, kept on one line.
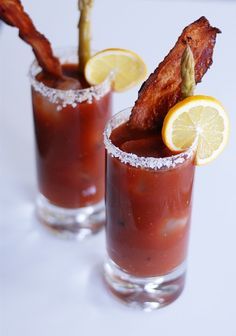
{"points": [[53, 287]]}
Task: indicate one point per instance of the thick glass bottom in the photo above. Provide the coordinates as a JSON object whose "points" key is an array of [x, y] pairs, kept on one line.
{"points": [[71, 223], [147, 293]]}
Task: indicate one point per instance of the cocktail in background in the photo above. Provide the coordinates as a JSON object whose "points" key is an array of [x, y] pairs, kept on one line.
{"points": [[70, 156]]}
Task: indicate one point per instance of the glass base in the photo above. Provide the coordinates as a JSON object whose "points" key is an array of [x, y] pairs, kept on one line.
{"points": [[147, 293], [71, 223]]}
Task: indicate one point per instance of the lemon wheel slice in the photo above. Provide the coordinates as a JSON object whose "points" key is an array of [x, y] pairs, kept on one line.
{"points": [[199, 119], [127, 67]]}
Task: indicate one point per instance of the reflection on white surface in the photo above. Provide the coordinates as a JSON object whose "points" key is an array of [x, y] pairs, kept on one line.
{"points": [[54, 287]]}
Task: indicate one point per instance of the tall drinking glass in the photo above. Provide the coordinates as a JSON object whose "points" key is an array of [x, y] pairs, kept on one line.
{"points": [[70, 155], [148, 207]]}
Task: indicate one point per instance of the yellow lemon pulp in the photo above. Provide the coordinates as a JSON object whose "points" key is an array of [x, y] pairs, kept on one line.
{"points": [[199, 120], [126, 67]]}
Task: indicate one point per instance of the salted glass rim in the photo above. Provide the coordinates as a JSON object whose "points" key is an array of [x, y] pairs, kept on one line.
{"points": [[71, 96], [141, 161]]}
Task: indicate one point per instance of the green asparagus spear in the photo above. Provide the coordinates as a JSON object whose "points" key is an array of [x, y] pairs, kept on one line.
{"points": [[84, 51], [187, 73]]}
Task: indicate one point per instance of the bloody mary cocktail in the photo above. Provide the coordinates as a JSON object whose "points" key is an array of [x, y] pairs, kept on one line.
{"points": [[152, 150], [148, 206], [69, 124]]}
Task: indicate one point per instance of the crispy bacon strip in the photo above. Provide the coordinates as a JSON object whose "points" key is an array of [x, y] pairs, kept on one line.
{"points": [[12, 12], [162, 90]]}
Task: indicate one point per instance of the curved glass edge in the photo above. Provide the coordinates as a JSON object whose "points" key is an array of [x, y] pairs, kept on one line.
{"points": [[68, 97], [140, 161]]}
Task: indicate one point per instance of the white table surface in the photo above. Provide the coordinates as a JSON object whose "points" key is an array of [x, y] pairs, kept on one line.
{"points": [[54, 287]]}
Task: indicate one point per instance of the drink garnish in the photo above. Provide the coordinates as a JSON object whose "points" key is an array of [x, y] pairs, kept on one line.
{"points": [[84, 51], [12, 13], [187, 73], [200, 121], [127, 68], [162, 90]]}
